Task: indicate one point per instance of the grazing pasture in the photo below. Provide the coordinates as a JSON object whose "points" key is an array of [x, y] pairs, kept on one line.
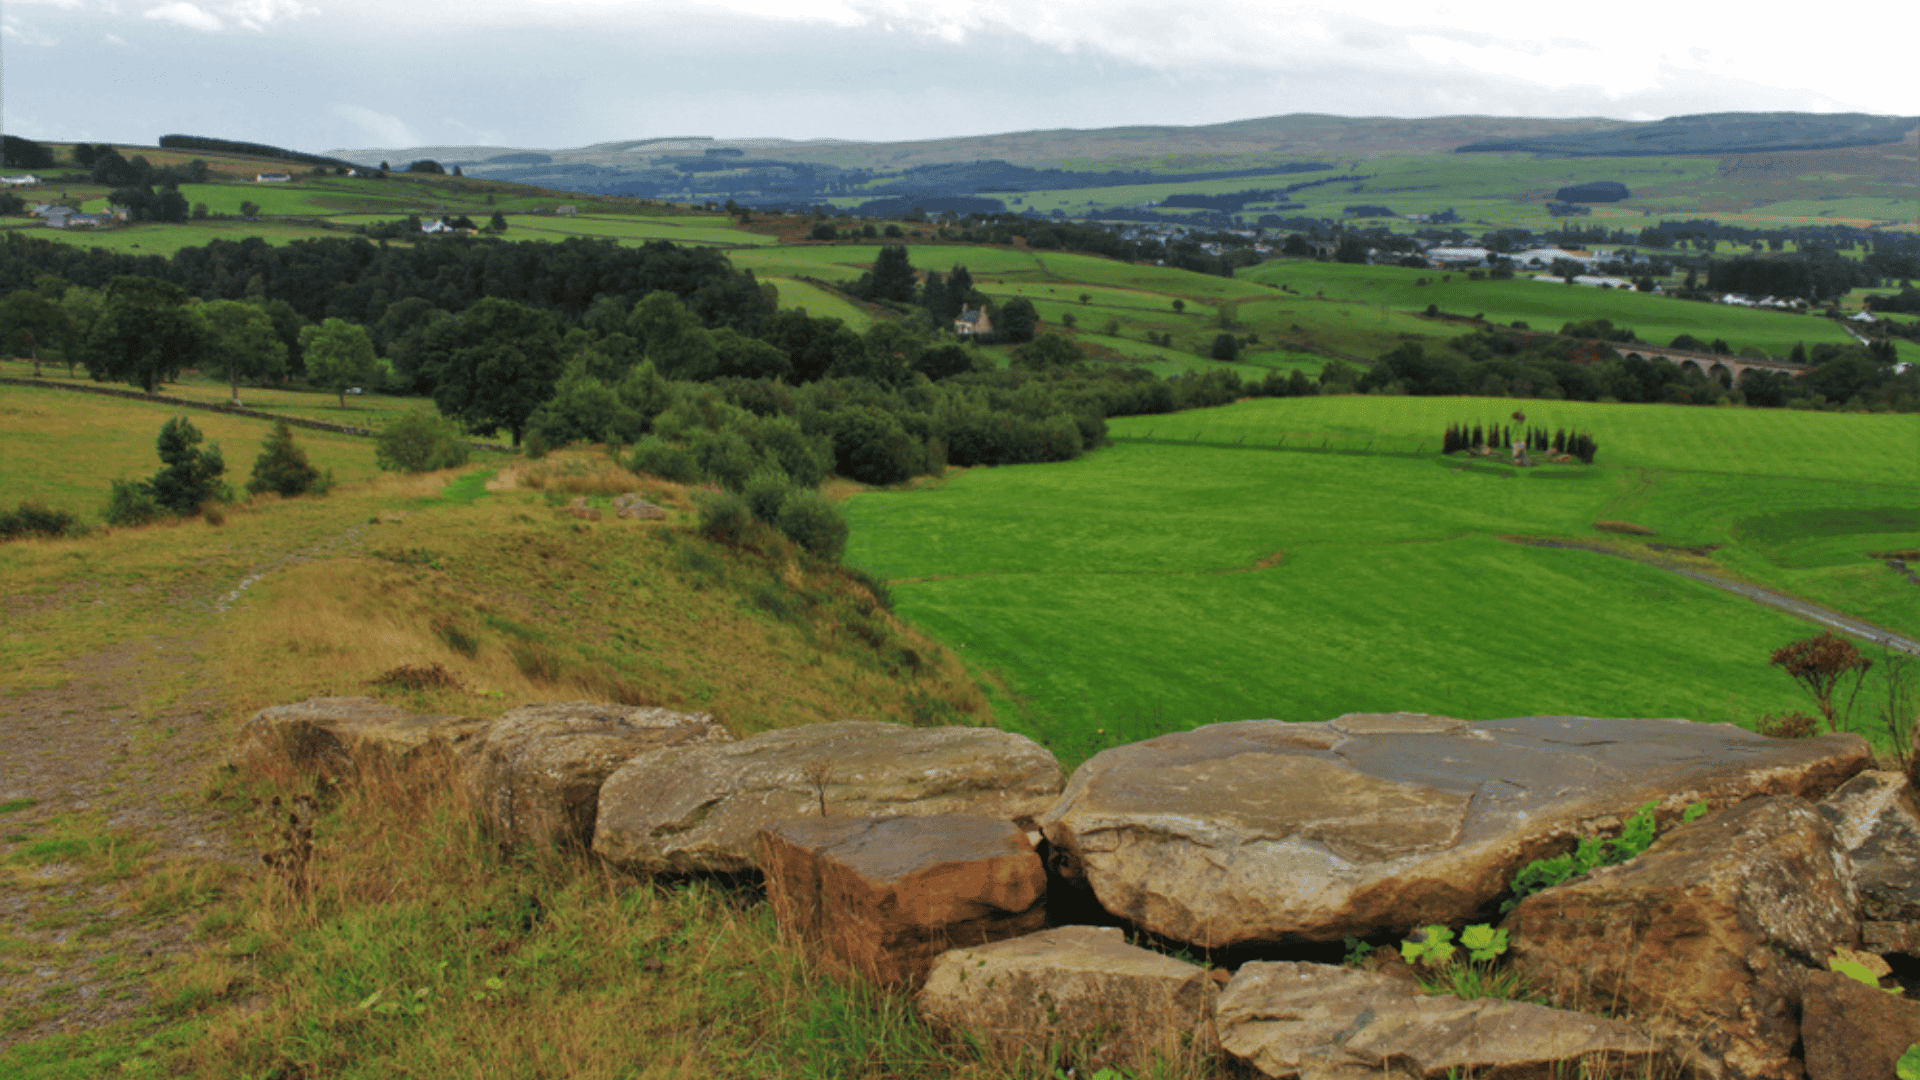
{"points": [[1155, 585]]}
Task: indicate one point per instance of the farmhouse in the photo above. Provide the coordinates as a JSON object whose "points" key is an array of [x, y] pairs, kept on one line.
{"points": [[272, 178], [23, 180], [1457, 256], [973, 322]]}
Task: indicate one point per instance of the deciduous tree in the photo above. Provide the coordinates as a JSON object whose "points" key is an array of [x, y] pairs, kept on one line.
{"points": [[339, 355], [145, 335]]}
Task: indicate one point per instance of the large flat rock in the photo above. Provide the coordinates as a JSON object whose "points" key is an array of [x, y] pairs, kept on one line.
{"points": [[1266, 831], [1295, 1021], [1080, 992], [346, 737], [699, 808], [538, 772]]}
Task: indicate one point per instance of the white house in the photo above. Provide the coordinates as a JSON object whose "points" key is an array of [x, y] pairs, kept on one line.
{"points": [[23, 180], [435, 227], [272, 178], [1457, 256], [1864, 316]]}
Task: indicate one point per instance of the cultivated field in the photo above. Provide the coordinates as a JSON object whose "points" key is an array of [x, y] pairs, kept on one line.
{"points": [[1155, 585]]}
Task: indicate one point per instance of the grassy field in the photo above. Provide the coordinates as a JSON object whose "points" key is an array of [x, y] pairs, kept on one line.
{"points": [[1154, 585], [820, 303], [1549, 305], [55, 453]]}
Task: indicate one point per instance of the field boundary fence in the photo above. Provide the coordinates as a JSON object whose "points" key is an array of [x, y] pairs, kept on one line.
{"points": [[215, 406]]}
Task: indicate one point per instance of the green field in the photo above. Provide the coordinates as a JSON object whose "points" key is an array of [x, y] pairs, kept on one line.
{"points": [[820, 303], [50, 440], [1153, 586], [1548, 305]]}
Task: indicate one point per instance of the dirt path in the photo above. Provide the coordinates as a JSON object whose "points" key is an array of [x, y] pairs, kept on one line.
{"points": [[104, 775], [1792, 605]]}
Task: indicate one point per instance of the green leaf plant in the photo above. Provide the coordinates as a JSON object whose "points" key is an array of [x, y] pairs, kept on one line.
{"points": [[1636, 835]]}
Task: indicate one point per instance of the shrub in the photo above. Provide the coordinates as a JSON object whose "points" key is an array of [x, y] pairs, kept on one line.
{"points": [[420, 441], [434, 676], [534, 446], [131, 503], [189, 476], [808, 519], [282, 467], [1792, 725], [765, 490], [38, 519], [724, 517], [668, 461]]}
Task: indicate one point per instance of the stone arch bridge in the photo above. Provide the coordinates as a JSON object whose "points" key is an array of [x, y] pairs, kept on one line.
{"points": [[1712, 365]]}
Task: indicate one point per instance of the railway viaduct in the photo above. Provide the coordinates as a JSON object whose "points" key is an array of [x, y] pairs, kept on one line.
{"points": [[1712, 365]]}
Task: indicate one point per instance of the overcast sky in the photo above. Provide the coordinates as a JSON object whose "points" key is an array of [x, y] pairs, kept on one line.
{"points": [[322, 74]]}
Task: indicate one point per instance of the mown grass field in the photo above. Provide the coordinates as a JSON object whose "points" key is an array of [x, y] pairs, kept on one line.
{"points": [[1154, 585]]}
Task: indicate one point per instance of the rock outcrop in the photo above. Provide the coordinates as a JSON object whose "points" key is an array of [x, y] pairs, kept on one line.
{"points": [[1708, 935], [699, 808], [538, 772], [1079, 989], [1875, 820], [345, 736], [1268, 831], [1318, 1022], [882, 897], [1853, 1031]]}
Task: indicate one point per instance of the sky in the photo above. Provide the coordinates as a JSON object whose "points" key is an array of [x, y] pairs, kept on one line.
{"points": [[319, 75]]}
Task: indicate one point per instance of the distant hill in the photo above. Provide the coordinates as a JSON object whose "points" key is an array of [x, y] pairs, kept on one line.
{"points": [[1716, 133]]}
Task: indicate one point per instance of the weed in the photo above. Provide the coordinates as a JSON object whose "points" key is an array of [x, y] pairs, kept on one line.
{"points": [[537, 662], [1592, 852], [1789, 725], [15, 805], [458, 636]]}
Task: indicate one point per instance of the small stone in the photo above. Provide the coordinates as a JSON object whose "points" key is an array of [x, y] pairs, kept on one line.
{"points": [[1852, 1031]]}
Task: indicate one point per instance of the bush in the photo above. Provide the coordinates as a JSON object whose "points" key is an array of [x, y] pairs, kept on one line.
{"points": [[765, 490], [808, 519], [668, 461], [724, 517], [534, 446], [282, 467], [38, 519], [189, 476], [131, 503], [420, 441]]}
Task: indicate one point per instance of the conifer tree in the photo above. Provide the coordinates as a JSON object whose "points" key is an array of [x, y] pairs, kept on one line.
{"points": [[282, 467]]}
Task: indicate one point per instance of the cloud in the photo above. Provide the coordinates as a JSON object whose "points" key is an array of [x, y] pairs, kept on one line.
{"points": [[188, 15], [381, 129], [26, 35], [115, 39], [255, 15]]}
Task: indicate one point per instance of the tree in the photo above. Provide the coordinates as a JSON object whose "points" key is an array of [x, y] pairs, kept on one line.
{"points": [[339, 355], [22, 153], [428, 166], [420, 440], [282, 467], [1226, 347], [249, 210], [189, 476], [241, 341], [1179, 306], [1016, 320], [497, 223], [34, 321], [944, 362], [495, 363], [1821, 664], [892, 277], [145, 334], [1048, 352]]}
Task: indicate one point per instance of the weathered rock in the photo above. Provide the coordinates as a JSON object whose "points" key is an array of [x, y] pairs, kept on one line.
{"points": [[1874, 817], [1891, 937], [345, 736], [698, 808], [636, 508], [1268, 831], [540, 768], [1852, 1031], [1079, 988], [1318, 1022], [881, 897], [1707, 935]]}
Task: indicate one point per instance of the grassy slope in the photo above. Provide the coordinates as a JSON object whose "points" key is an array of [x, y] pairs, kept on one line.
{"points": [[1126, 592]]}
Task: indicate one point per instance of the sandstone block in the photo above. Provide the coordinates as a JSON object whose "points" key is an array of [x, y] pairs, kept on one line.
{"points": [[1853, 1031], [1082, 989], [1262, 830], [344, 736], [1874, 817], [699, 808], [1708, 935], [538, 773], [1318, 1022], [882, 897]]}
